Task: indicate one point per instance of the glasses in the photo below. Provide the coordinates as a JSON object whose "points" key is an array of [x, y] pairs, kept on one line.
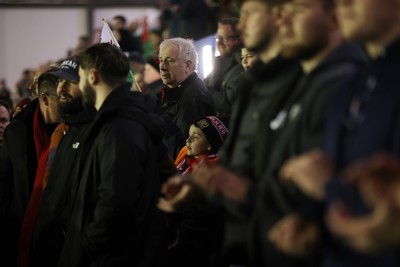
{"points": [[224, 39]]}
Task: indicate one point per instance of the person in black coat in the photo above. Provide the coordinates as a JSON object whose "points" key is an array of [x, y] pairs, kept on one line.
{"points": [[185, 97], [114, 220], [25, 141], [361, 215], [224, 80], [63, 165]]}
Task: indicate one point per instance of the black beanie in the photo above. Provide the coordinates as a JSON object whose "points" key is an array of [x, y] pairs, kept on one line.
{"points": [[214, 130]]}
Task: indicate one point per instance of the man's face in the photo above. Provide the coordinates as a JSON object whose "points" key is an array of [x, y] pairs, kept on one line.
{"points": [[366, 20], [304, 26], [88, 93], [70, 96], [257, 25], [227, 40], [54, 108], [173, 69], [4, 121]]}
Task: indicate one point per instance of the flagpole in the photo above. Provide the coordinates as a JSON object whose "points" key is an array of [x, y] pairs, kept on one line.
{"points": [[114, 42]]}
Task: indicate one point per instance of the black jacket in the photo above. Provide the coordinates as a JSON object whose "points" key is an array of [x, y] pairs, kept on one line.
{"points": [[18, 165], [253, 108], [55, 208], [114, 220], [298, 127], [224, 83], [187, 103]]}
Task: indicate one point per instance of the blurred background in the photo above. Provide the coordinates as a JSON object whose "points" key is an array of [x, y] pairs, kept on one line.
{"points": [[34, 33]]}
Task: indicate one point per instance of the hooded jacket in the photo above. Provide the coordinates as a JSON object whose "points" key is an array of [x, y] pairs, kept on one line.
{"points": [[298, 127], [55, 208], [114, 221]]}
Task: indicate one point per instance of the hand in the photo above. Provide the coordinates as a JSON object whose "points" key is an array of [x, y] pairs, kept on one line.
{"points": [[177, 192], [218, 180], [378, 179], [294, 236], [309, 172], [368, 233]]}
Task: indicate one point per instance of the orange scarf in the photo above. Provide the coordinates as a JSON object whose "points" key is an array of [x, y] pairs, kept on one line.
{"points": [[185, 164]]}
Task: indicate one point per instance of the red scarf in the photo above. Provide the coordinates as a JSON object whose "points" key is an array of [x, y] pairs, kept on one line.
{"points": [[185, 164], [42, 143]]}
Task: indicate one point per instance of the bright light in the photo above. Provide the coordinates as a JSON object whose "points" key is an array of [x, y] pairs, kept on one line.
{"points": [[207, 60]]}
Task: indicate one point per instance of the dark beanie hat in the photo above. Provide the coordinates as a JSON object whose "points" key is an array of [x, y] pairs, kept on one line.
{"points": [[214, 130]]}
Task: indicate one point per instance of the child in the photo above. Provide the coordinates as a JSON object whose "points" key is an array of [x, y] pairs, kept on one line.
{"points": [[196, 231], [205, 138]]}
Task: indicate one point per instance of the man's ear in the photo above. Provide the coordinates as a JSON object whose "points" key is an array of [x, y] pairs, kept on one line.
{"points": [[188, 66], [44, 98], [94, 77]]}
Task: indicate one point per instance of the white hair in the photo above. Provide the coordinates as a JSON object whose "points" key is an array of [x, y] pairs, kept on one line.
{"points": [[186, 49]]}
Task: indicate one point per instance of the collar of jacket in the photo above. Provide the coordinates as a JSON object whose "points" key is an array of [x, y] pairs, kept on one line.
{"points": [[82, 117], [265, 71], [391, 52], [115, 98], [26, 114], [345, 52], [176, 92]]}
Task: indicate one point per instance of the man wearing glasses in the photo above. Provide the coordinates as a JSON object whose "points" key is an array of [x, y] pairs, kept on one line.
{"points": [[23, 159], [223, 80]]}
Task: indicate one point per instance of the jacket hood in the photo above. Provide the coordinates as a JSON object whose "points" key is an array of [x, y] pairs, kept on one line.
{"points": [[136, 106]]}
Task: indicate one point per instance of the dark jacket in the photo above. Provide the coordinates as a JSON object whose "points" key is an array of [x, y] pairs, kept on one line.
{"points": [[115, 221], [253, 108], [187, 103], [224, 82], [55, 208], [298, 127], [375, 92], [18, 165]]}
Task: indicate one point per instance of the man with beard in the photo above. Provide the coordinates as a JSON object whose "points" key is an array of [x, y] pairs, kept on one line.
{"points": [[62, 168], [352, 179], [249, 113], [293, 122], [114, 221]]}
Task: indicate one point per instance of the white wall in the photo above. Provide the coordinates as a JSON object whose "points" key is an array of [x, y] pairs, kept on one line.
{"points": [[30, 37]]}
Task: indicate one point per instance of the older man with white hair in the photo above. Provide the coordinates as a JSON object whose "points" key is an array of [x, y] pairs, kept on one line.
{"points": [[185, 97]]}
